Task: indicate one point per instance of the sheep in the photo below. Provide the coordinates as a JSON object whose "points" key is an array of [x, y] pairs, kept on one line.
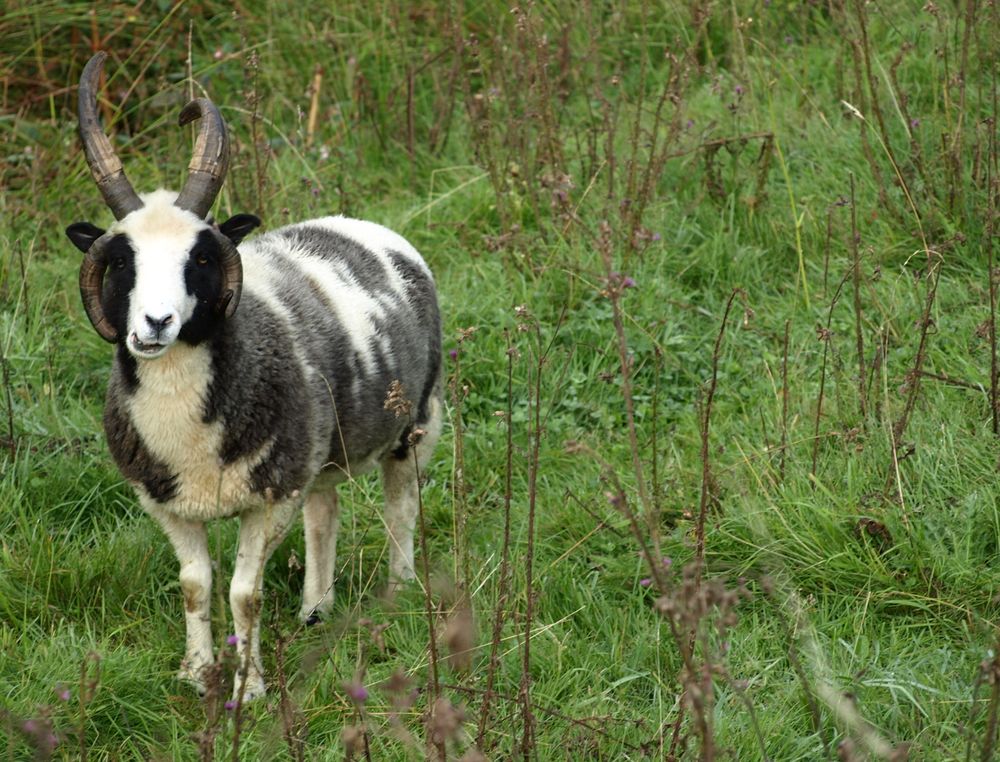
{"points": [[250, 378]]}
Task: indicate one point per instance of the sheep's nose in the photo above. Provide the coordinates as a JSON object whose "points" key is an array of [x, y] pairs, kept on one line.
{"points": [[158, 324]]}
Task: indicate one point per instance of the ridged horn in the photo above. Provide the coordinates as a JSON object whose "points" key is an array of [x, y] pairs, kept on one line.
{"points": [[232, 281], [91, 279], [105, 166], [210, 162]]}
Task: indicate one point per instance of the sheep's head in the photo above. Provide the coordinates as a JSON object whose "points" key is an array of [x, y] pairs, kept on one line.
{"points": [[162, 271]]}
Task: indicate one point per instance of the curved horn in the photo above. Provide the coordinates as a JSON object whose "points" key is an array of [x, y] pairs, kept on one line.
{"points": [[232, 281], [91, 277], [105, 166], [208, 166]]}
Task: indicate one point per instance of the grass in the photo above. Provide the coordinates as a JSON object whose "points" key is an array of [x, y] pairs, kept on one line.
{"points": [[719, 143]]}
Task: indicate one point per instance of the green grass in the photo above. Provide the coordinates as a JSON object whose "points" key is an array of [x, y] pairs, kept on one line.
{"points": [[899, 612]]}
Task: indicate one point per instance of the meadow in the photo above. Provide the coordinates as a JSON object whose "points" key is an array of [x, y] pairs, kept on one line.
{"points": [[720, 474]]}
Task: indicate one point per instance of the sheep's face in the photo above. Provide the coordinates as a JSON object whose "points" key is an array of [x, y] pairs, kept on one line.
{"points": [[163, 275]]}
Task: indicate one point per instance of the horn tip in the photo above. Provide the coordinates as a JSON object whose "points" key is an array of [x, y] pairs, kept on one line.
{"points": [[96, 61], [193, 110]]}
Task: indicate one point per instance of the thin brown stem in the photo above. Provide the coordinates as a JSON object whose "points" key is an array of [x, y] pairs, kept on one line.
{"points": [[989, 744], [784, 402], [425, 568], [706, 419], [913, 377], [991, 280], [581, 723], [535, 403], [11, 440], [858, 333], [825, 337], [614, 291], [499, 611]]}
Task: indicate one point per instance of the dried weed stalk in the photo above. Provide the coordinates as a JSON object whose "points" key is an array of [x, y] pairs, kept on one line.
{"points": [[503, 593]]}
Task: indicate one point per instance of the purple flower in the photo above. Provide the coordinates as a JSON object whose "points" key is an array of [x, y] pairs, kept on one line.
{"points": [[233, 640], [453, 354], [667, 562], [689, 124], [646, 581], [230, 705], [357, 692], [64, 695], [30, 726], [655, 237], [914, 123], [628, 282], [738, 89]]}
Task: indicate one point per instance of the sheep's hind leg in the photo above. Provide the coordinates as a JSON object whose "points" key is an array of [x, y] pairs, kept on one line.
{"points": [[190, 543], [321, 519], [400, 473], [261, 531]]}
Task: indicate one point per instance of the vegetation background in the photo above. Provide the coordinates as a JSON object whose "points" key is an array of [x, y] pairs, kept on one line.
{"points": [[719, 291]]}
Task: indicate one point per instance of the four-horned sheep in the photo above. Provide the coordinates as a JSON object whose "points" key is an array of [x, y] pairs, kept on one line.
{"points": [[250, 378]]}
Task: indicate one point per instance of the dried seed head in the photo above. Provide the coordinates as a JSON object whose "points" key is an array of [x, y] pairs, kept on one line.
{"points": [[460, 638], [396, 401], [353, 739], [398, 684], [446, 719]]}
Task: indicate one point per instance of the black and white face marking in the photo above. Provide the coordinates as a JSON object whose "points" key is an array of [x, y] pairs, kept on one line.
{"points": [[163, 239], [164, 276]]}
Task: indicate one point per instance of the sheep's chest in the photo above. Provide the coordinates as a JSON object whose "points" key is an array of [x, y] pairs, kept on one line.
{"points": [[167, 411]]}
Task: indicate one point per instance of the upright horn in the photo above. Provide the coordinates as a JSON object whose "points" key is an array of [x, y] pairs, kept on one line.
{"points": [[105, 166], [208, 166]]}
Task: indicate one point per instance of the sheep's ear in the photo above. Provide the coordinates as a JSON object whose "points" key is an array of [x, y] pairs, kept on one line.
{"points": [[83, 235], [238, 227]]}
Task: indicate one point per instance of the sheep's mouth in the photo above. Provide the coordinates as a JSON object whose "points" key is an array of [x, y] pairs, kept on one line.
{"points": [[142, 349]]}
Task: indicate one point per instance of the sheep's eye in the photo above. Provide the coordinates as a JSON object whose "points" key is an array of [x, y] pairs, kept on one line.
{"points": [[201, 259], [118, 263]]}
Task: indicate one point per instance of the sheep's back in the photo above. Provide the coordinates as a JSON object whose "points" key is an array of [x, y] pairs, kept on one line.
{"points": [[359, 308]]}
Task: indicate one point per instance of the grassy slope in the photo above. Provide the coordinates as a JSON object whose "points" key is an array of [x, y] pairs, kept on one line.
{"points": [[901, 622]]}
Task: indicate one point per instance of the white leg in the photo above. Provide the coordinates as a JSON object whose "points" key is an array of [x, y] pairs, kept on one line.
{"points": [[191, 546], [321, 518], [400, 485], [261, 531]]}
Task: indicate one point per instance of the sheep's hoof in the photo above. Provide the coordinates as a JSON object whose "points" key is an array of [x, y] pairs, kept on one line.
{"points": [[397, 584], [253, 690], [313, 615], [193, 677]]}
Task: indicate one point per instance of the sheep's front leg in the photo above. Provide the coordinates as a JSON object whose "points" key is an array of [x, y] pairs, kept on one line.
{"points": [[321, 519], [261, 531], [190, 543]]}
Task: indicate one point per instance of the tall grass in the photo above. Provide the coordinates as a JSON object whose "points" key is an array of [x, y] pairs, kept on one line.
{"points": [[719, 292]]}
